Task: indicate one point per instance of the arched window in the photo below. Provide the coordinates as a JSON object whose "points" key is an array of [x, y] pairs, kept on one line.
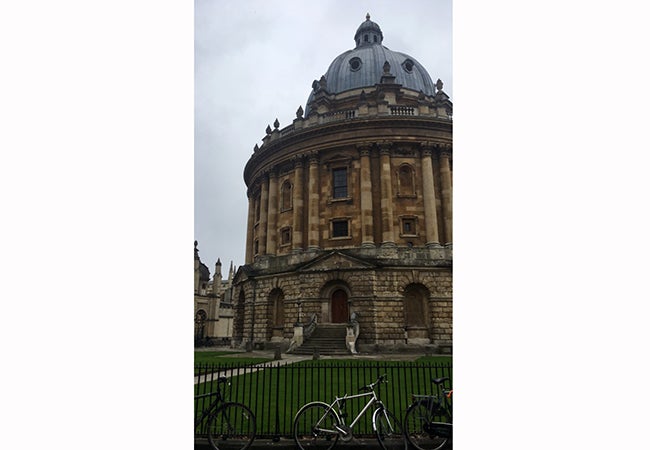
{"points": [[285, 196], [406, 180]]}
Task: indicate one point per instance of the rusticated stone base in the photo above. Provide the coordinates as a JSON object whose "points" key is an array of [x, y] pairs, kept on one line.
{"points": [[401, 302]]}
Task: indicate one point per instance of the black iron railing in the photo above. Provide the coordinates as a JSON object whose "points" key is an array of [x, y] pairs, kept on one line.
{"points": [[275, 392]]}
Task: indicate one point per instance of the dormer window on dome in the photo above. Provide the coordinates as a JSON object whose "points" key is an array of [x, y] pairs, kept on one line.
{"points": [[408, 65]]}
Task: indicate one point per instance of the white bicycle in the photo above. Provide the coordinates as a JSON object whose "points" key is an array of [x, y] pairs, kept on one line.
{"points": [[319, 425]]}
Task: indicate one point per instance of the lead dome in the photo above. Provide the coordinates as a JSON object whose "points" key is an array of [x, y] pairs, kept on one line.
{"points": [[364, 66]]}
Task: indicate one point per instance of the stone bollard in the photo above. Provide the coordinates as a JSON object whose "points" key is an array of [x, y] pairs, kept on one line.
{"points": [[278, 355], [316, 355]]}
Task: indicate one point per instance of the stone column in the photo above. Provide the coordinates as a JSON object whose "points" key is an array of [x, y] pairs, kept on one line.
{"points": [[264, 215], [367, 238], [314, 189], [429, 196], [298, 206], [251, 227], [272, 232], [387, 232], [445, 178]]}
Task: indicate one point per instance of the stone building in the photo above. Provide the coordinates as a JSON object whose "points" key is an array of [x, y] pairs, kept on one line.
{"points": [[350, 209], [213, 308]]}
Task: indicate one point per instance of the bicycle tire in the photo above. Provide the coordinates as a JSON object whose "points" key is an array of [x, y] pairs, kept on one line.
{"points": [[388, 429], [233, 423], [416, 421], [315, 426]]}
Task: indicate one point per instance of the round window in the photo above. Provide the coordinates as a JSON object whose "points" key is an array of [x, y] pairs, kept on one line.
{"points": [[355, 64]]}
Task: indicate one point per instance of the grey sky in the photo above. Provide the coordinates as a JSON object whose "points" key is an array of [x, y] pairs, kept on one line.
{"points": [[255, 62]]}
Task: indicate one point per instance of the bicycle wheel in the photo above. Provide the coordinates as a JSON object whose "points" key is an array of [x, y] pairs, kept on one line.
{"points": [[314, 427], [419, 430], [388, 429], [234, 424]]}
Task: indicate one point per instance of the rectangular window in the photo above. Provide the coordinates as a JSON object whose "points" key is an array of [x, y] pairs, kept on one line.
{"points": [[408, 226], [340, 182], [340, 228], [285, 234]]}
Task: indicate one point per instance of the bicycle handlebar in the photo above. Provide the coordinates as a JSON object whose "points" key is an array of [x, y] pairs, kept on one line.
{"points": [[370, 387]]}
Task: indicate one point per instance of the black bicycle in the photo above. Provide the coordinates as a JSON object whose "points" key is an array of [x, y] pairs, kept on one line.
{"points": [[228, 424], [428, 420]]}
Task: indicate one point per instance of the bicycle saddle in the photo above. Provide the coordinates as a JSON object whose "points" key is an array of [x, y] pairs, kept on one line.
{"points": [[439, 380]]}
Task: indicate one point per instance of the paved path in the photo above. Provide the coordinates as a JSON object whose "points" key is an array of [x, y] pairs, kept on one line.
{"points": [[288, 358]]}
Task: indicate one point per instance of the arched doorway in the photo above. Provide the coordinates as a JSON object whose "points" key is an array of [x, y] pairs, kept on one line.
{"points": [[339, 305]]}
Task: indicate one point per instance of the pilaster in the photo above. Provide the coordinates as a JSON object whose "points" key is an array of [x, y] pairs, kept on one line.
{"points": [[429, 196], [387, 233]]}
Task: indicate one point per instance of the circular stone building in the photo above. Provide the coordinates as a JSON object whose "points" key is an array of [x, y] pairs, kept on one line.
{"points": [[349, 239]]}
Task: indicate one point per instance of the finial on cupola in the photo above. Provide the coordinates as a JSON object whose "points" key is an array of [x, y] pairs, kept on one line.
{"points": [[367, 16], [299, 112], [268, 129], [276, 124]]}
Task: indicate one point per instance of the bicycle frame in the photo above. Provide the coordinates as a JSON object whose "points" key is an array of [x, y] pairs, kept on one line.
{"points": [[214, 404], [210, 409], [338, 401]]}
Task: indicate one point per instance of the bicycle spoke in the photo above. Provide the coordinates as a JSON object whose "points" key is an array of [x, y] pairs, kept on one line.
{"points": [[388, 429], [314, 427], [421, 431], [232, 422]]}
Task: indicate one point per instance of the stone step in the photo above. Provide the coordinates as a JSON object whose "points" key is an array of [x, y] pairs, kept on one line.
{"points": [[327, 339]]}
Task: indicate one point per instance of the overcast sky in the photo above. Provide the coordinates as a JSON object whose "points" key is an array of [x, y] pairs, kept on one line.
{"points": [[254, 62]]}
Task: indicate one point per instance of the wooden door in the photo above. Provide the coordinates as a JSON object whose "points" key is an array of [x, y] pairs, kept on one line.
{"points": [[339, 306]]}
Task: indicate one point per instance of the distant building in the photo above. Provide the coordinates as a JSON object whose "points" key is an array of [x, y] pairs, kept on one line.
{"points": [[350, 210], [213, 309]]}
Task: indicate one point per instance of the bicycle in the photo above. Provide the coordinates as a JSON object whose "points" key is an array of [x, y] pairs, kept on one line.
{"points": [[228, 422], [428, 420], [318, 424]]}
